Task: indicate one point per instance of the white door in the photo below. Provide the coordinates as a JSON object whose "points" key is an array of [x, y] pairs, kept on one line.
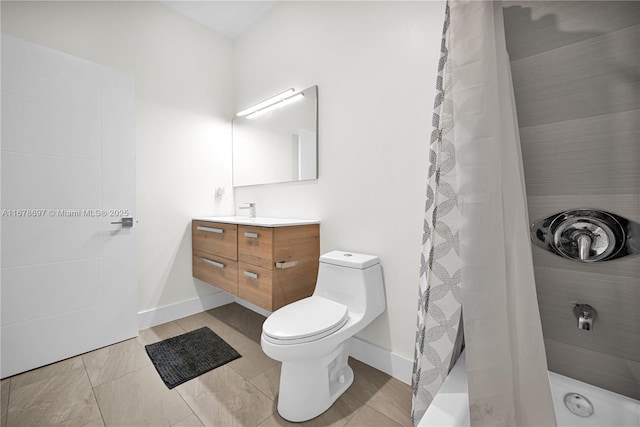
{"points": [[68, 172]]}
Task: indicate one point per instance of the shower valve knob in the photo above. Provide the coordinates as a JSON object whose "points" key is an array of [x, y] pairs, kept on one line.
{"points": [[586, 235]]}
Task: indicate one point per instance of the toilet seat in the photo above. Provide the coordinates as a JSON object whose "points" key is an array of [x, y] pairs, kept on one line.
{"points": [[306, 320]]}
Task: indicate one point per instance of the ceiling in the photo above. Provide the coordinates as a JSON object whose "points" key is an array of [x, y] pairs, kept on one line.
{"points": [[230, 18]]}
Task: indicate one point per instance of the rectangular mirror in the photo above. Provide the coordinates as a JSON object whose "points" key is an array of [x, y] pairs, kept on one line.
{"points": [[278, 145]]}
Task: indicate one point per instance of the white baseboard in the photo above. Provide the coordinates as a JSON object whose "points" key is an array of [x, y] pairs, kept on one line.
{"points": [[167, 313], [382, 359]]}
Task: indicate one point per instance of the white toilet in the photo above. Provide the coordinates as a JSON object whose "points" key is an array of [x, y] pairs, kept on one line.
{"points": [[310, 337]]}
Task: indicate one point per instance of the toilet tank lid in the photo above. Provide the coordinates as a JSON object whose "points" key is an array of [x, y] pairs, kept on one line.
{"points": [[350, 259]]}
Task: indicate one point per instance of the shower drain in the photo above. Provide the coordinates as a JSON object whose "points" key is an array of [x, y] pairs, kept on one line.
{"points": [[578, 404]]}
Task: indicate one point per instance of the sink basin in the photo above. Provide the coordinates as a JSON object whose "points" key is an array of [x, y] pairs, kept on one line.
{"points": [[259, 221]]}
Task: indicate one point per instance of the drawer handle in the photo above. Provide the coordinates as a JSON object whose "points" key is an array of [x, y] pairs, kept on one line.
{"points": [[251, 235], [210, 229], [251, 275], [287, 264], [214, 263]]}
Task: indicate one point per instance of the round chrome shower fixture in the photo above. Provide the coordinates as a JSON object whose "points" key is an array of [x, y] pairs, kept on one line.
{"points": [[586, 235]]}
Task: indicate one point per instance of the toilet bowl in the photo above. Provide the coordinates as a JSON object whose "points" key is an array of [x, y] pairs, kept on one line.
{"points": [[310, 337]]}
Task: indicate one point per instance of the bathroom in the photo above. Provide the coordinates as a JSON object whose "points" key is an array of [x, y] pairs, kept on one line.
{"points": [[375, 66]]}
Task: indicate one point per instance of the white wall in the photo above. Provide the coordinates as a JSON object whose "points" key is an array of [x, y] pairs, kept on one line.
{"points": [[375, 64], [183, 83]]}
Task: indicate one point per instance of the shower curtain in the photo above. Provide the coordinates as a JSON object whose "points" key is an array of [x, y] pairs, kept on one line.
{"points": [[476, 259]]}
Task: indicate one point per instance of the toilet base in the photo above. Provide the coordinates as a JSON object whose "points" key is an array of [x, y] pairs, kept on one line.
{"points": [[309, 387]]}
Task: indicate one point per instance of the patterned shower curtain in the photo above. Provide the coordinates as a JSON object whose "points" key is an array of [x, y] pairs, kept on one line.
{"points": [[476, 253], [440, 283]]}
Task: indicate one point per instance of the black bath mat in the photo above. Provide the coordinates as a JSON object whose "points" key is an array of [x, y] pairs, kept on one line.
{"points": [[182, 358]]}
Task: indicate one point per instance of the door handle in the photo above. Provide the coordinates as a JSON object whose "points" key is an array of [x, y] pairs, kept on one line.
{"points": [[126, 222]]}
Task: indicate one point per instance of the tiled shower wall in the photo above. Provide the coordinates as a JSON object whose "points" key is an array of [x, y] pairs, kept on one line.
{"points": [[575, 69]]}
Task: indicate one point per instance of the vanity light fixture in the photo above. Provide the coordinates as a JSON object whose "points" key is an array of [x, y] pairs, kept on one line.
{"points": [[277, 101], [266, 103], [278, 104]]}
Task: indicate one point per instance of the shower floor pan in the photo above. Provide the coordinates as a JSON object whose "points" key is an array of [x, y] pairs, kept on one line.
{"points": [[450, 407]]}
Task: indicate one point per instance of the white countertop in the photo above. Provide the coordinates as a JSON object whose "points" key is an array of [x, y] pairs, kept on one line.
{"points": [[258, 221]]}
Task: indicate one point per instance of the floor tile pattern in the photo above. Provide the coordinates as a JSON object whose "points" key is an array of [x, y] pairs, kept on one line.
{"points": [[118, 386]]}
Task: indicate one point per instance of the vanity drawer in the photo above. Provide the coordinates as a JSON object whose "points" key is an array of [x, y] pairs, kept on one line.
{"points": [[217, 271], [254, 285], [215, 238], [255, 246]]}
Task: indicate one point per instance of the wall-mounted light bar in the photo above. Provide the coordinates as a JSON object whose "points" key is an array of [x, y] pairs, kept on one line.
{"points": [[277, 101], [279, 104]]}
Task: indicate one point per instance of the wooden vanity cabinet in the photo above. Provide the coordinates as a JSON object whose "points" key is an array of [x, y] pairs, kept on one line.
{"points": [[215, 254], [275, 265], [216, 238]]}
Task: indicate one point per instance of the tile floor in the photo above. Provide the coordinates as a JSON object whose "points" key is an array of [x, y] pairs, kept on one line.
{"points": [[118, 386]]}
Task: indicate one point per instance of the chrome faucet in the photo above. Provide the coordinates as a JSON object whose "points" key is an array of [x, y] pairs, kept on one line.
{"points": [[252, 209], [585, 314]]}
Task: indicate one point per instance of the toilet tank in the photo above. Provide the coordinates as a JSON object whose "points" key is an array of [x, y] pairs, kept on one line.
{"points": [[352, 279]]}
